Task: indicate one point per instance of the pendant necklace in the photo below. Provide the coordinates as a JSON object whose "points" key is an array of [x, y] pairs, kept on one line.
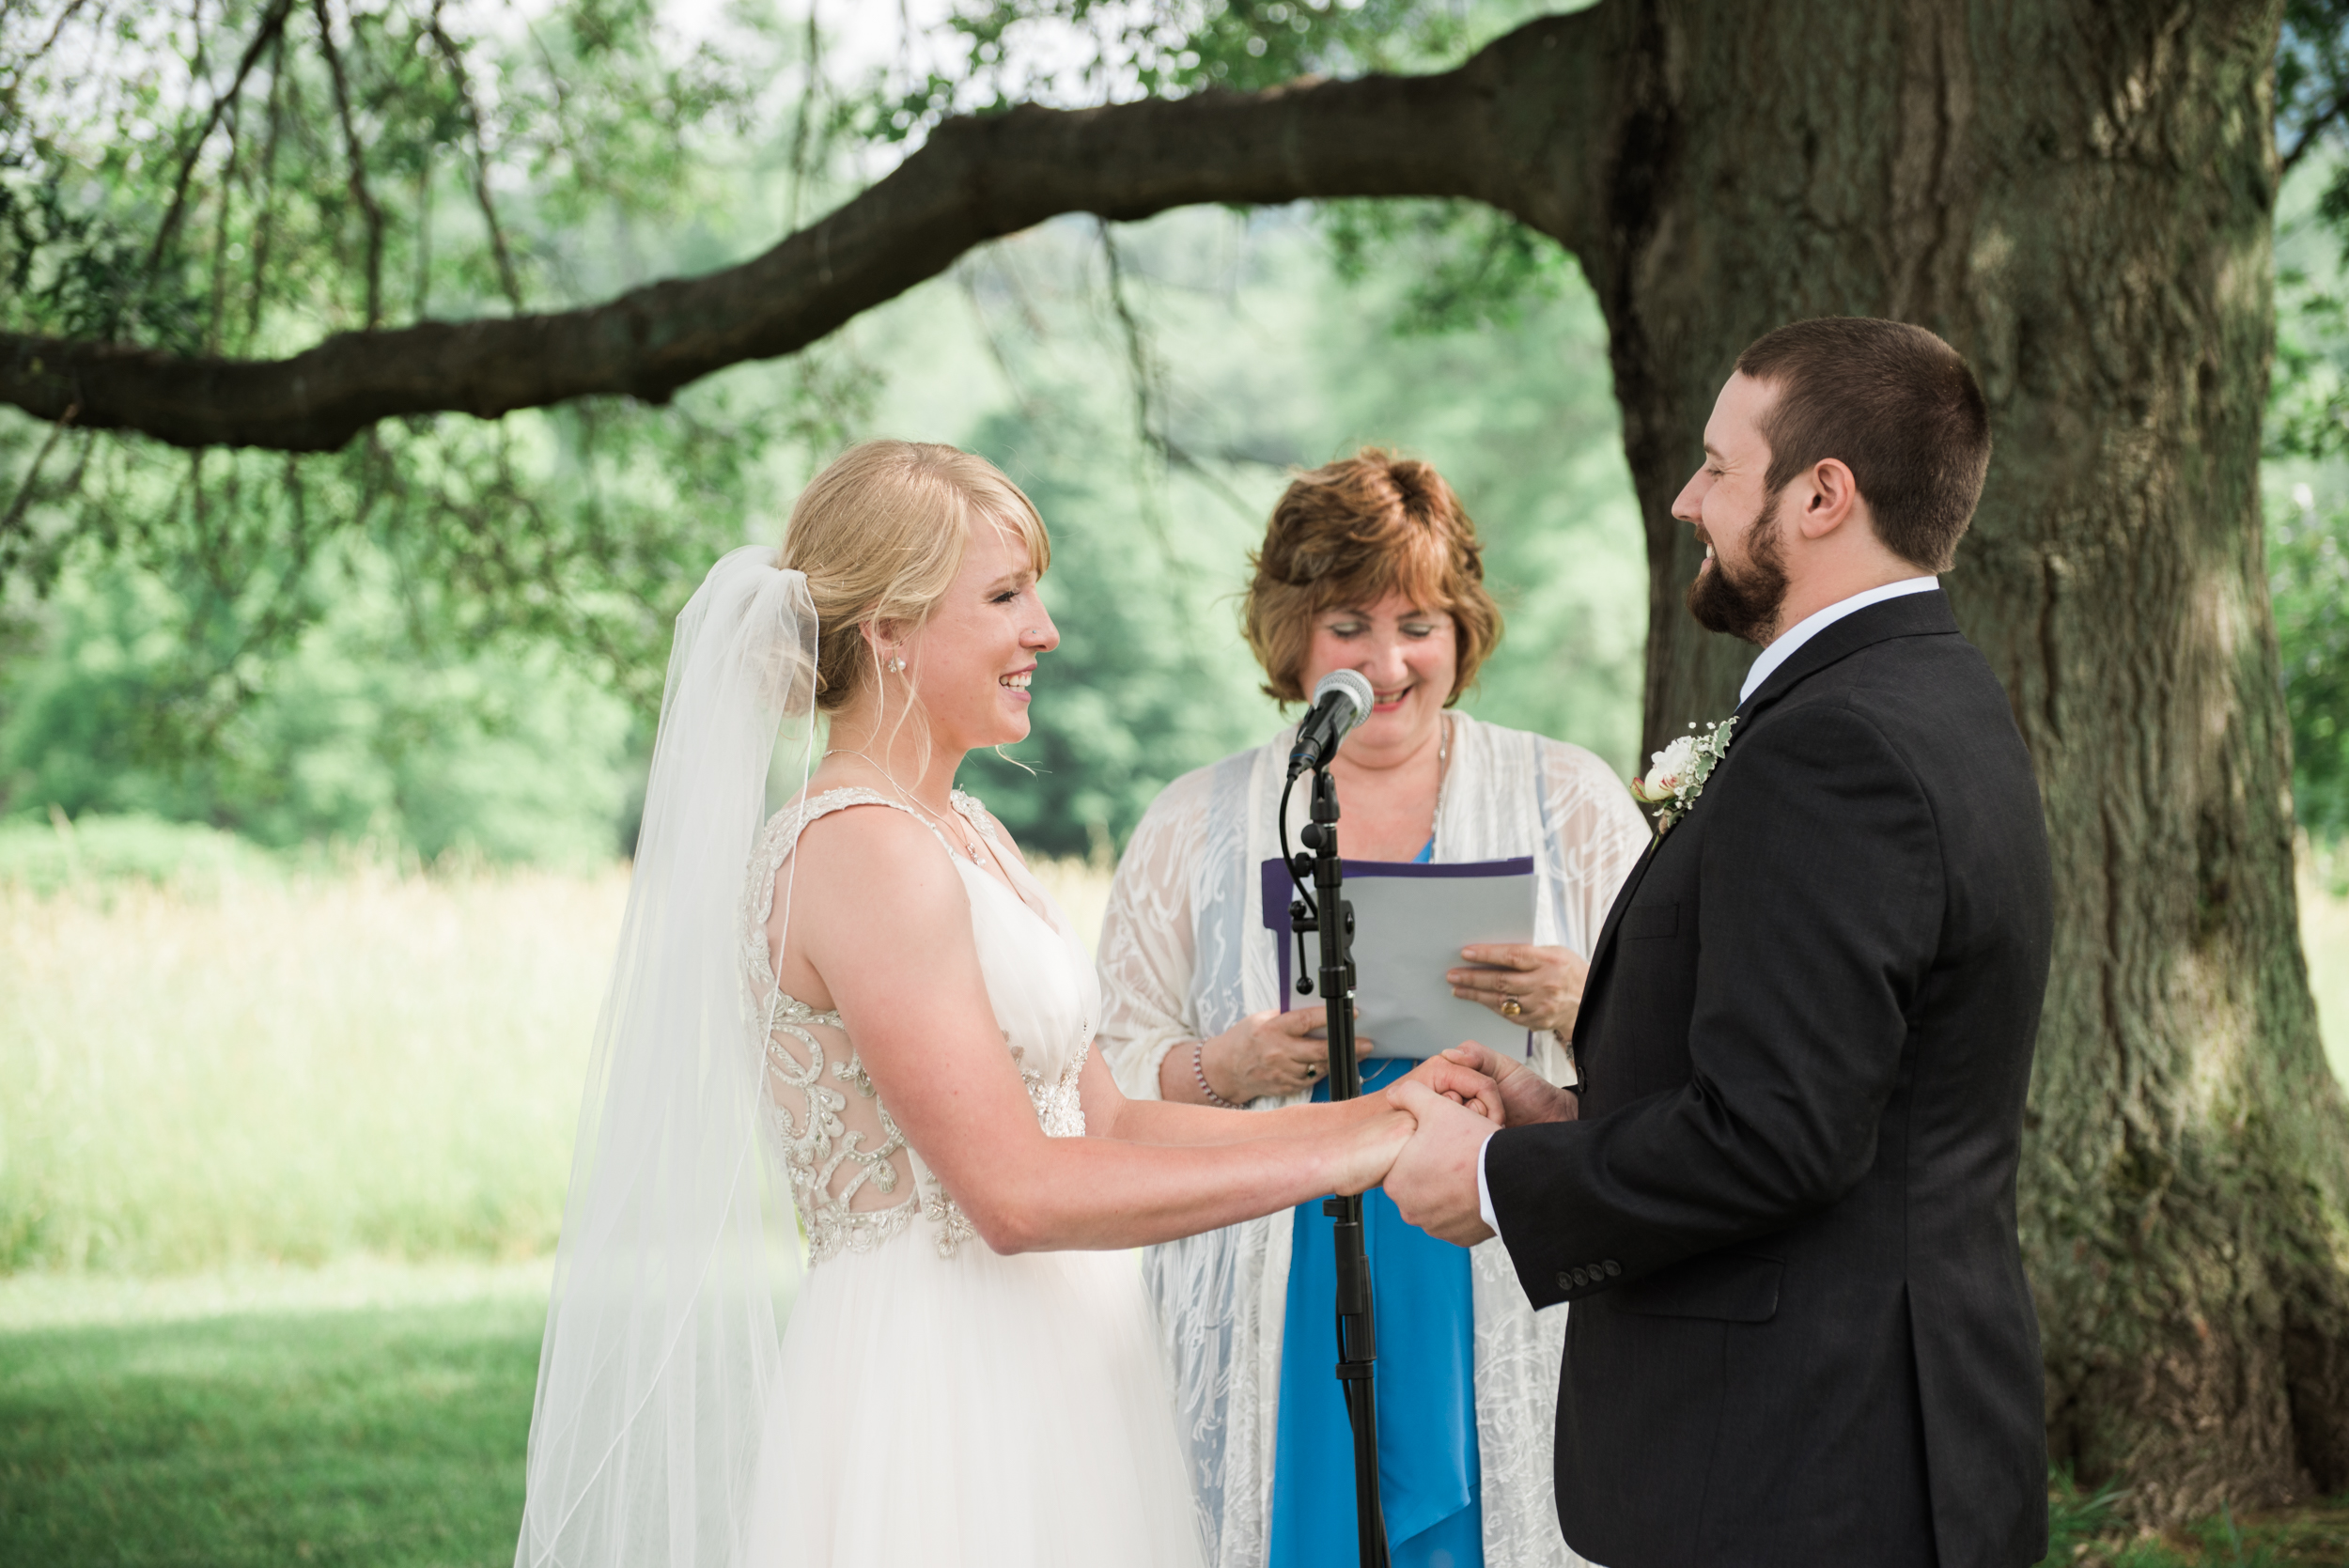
{"points": [[928, 815]]}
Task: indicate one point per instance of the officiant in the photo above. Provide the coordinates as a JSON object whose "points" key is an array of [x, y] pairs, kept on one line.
{"points": [[1369, 563]]}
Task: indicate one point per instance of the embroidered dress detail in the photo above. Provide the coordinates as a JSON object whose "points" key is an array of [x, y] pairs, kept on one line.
{"points": [[838, 1145], [817, 1143]]}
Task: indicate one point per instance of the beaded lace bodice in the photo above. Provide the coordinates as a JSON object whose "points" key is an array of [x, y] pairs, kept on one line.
{"points": [[856, 1181]]}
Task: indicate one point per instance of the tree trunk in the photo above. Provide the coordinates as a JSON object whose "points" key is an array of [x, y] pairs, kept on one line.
{"points": [[2078, 194]]}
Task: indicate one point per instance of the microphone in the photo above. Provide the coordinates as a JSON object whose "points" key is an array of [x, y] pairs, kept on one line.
{"points": [[1341, 701]]}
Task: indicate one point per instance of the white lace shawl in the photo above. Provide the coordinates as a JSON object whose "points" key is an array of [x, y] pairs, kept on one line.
{"points": [[1185, 954]]}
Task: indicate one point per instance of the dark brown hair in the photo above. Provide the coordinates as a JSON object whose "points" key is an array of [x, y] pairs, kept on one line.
{"points": [[1352, 533], [1898, 405]]}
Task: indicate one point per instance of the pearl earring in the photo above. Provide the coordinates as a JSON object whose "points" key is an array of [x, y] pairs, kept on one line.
{"points": [[896, 665]]}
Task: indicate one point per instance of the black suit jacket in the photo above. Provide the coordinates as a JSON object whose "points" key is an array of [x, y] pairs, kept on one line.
{"points": [[1802, 1333]]}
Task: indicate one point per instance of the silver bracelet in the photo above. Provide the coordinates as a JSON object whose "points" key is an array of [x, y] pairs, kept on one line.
{"points": [[1199, 1071]]}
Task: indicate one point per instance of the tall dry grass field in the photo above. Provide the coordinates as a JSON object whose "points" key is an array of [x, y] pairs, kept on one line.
{"points": [[374, 1062], [288, 1070]]}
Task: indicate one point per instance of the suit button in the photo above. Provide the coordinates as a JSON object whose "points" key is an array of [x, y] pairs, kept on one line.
{"points": [[1612, 1268], [1565, 1281], [1581, 1277]]}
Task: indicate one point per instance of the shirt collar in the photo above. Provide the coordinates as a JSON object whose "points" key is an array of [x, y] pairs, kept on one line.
{"points": [[1819, 620]]}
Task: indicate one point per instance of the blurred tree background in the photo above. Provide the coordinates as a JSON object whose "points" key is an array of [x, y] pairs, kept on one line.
{"points": [[449, 635]]}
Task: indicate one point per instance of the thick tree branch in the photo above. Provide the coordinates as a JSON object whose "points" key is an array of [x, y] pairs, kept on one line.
{"points": [[1518, 126]]}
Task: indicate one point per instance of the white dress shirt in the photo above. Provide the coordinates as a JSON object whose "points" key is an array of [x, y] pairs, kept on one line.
{"points": [[1778, 653]]}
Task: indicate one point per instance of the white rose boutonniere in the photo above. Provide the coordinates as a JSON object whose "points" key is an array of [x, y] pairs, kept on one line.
{"points": [[1677, 774]]}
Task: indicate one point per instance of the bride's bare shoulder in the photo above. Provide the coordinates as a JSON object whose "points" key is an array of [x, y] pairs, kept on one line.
{"points": [[874, 850]]}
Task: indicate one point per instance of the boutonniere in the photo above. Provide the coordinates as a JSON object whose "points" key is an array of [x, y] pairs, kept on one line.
{"points": [[1677, 774]]}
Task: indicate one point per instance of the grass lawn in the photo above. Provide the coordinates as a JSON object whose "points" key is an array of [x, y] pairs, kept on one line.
{"points": [[283, 1433]]}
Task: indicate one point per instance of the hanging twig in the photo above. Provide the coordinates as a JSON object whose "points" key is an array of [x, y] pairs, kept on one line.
{"points": [[1139, 360], [359, 192], [1141, 366], [2313, 131], [424, 235], [264, 222], [456, 59], [71, 11], [802, 128], [963, 275], [32, 475], [273, 22], [220, 238], [1150, 419]]}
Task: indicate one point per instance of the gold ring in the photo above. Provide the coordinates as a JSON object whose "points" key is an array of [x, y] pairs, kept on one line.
{"points": [[1509, 1006]]}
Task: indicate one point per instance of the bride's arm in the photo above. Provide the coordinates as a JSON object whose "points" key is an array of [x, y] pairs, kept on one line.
{"points": [[893, 950], [1109, 1113]]}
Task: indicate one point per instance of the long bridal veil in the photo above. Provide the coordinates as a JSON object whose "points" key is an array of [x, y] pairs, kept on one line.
{"points": [[661, 1348]]}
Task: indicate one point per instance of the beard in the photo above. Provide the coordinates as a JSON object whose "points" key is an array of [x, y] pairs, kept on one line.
{"points": [[1744, 607]]}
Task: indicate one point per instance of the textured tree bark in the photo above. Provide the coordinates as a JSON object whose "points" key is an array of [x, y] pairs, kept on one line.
{"points": [[2078, 194]]}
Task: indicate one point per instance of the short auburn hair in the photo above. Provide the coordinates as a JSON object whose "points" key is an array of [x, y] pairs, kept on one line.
{"points": [[1898, 405], [1350, 534]]}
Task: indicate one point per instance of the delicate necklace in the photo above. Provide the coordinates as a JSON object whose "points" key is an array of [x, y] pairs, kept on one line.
{"points": [[1443, 774], [928, 815]]}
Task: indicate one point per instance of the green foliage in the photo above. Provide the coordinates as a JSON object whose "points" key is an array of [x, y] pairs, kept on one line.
{"points": [[247, 178], [360, 729], [2308, 580], [49, 857]]}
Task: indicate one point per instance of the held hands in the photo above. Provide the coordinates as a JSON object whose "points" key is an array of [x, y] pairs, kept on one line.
{"points": [[1526, 1096], [1433, 1180], [1532, 988], [1460, 1089]]}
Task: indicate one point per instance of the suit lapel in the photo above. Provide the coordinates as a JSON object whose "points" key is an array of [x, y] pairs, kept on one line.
{"points": [[1925, 615], [1605, 943]]}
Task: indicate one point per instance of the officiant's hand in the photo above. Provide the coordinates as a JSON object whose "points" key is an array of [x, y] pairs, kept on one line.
{"points": [[1533, 987], [1268, 1053], [1433, 1181], [1526, 1096]]}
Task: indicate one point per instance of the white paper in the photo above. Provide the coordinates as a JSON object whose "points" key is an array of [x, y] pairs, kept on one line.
{"points": [[1409, 930]]}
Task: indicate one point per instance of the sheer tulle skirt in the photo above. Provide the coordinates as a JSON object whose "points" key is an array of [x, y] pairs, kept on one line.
{"points": [[972, 1412]]}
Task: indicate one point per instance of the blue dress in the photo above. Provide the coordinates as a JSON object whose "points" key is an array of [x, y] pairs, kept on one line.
{"points": [[1425, 1380]]}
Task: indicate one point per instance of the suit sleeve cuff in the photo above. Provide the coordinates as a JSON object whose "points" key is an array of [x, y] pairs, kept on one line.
{"points": [[1483, 1190]]}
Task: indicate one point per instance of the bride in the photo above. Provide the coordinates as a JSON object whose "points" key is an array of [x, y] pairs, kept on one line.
{"points": [[892, 1022]]}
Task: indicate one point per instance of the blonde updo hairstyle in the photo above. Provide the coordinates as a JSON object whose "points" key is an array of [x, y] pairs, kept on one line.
{"points": [[881, 535]]}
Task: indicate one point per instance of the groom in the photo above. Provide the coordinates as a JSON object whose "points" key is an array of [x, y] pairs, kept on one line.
{"points": [[1785, 1215]]}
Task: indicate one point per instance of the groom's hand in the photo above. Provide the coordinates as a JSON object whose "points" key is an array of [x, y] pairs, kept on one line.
{"points": [[1526, 1096], [1433, 1181]]}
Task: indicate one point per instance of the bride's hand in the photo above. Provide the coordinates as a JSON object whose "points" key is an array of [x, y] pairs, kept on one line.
{"points": [[1462, 1083], [1370, 1150]]}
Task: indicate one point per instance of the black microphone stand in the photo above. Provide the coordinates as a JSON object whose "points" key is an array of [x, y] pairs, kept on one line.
{"points": [[1358, 1344]]}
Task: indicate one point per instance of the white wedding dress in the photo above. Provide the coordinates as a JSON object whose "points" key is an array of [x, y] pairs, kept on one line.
{"points": [[942, 1405]]}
